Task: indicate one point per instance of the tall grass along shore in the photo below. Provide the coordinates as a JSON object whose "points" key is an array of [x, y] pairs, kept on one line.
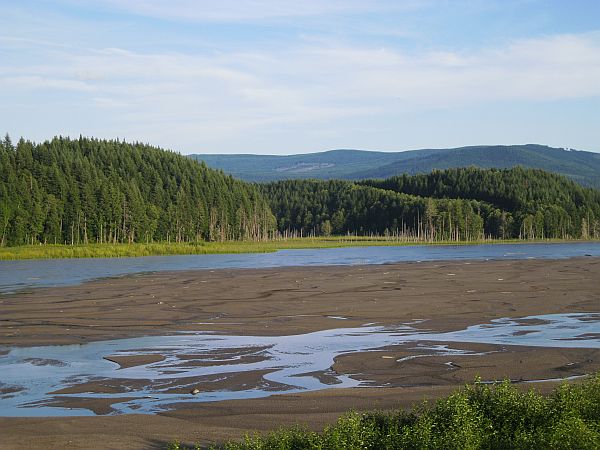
{"points": [[54, 251]]}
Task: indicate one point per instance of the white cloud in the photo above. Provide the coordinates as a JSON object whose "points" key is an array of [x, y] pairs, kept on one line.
{"points": [[224, 95]]}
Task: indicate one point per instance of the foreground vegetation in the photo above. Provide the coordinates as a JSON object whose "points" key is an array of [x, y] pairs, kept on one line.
{"points": [[52, 251], [481, 416]]}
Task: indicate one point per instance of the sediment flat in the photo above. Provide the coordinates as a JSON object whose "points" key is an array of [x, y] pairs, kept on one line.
{"points": [[441, 296]]}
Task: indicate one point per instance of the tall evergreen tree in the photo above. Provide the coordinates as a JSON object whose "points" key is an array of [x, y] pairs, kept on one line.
{"points": [[90, 190]]}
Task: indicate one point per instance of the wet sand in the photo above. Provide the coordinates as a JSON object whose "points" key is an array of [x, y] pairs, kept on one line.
{"points": [[134, 360], [445, 295]]}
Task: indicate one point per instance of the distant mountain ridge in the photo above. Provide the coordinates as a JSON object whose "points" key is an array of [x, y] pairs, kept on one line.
{"points": [[581, 166]]}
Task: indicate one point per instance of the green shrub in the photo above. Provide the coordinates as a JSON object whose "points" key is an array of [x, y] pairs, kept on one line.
{"points": [[482, 416]]}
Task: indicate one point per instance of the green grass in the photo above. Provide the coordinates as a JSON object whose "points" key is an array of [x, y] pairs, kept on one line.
{"points": [[51, 251], [481, 416]]}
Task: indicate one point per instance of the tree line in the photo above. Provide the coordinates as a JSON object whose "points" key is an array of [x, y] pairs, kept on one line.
{"points": [[89, 190], [528, 203], [85, 190], [312, 207], [453, 204]]}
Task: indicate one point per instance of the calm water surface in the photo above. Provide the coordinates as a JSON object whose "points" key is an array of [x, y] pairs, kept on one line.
{"points": [[19, 275], [285, 364]]}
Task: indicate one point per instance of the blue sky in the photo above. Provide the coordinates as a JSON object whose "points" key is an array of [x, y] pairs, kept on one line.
{"points": [[281, 77]]}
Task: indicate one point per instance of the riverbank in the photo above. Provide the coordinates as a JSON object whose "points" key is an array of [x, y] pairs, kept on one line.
{"points": [[57, 251], [441, 296], [295, 300]]}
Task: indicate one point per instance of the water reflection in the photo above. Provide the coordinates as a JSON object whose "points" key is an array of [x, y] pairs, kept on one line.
{"points": [[147, 374]]}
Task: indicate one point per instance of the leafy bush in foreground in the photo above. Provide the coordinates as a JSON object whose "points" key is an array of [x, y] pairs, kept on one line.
{"points": [[482, 416]]}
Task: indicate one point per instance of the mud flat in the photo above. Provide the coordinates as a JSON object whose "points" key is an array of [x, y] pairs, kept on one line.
{"points": [[432, 296]]}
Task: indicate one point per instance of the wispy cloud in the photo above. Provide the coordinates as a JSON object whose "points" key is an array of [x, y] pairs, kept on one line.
{"points": [[199, 83], [229, 94]]}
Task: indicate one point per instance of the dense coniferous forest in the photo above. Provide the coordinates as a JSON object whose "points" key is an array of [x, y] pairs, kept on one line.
{"points": [[78, 191], [88, 190], [454, 204], [311, 207], [535, 204]]}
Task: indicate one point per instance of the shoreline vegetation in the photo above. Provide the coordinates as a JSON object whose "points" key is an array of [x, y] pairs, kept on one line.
{"points": [[84, 191], [123, 250], [480, 415]]}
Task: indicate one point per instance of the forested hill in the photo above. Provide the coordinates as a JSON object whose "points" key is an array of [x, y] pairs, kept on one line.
{"points": [[581, 166], [517, 190], [454, 204], [89, 190]]}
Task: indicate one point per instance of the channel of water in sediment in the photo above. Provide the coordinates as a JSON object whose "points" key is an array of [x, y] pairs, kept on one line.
{"points": [[36, 381]]}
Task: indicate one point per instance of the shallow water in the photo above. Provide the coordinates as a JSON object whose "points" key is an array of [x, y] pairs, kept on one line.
{"points": [[287, 364], [19, 275]]}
